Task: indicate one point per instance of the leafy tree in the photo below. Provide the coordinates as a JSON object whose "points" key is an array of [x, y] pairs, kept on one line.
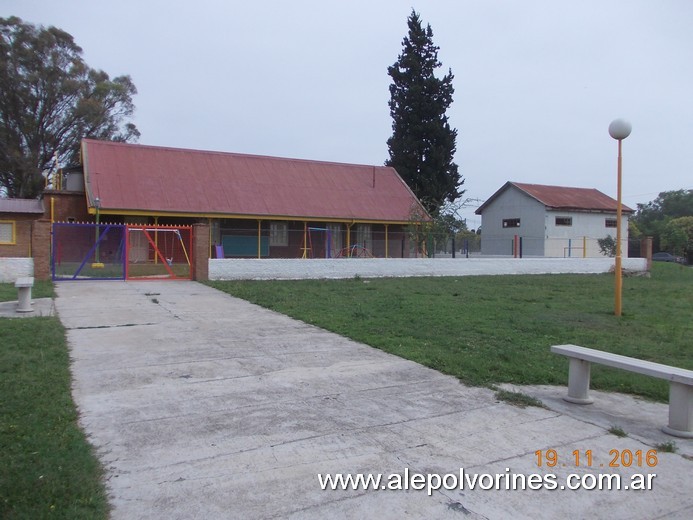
{"points": [[652, 218], [426, 232], [49, 100], [672, 204], [677, 235], [607, 245], [423, 144]]}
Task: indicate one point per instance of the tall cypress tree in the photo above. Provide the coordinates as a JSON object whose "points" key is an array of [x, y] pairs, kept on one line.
{"points": [[422, 145]]}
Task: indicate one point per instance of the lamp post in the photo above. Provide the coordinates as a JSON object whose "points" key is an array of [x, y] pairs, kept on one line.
{"points": [[97, 205], [619, 129]]}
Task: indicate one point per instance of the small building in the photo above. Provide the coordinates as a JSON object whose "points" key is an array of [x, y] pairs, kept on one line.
{"points": [[16, 220], [256, 206], [549, 221]]}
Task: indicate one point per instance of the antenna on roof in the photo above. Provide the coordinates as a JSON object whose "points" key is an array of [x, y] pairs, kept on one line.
{"points": [[373, 177]]}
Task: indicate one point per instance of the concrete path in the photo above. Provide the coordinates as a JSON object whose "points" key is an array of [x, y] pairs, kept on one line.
{"points": [[205, 406]]}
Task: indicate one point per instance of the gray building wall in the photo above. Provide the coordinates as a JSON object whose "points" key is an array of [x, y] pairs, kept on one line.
{"points": [[513, 204]]}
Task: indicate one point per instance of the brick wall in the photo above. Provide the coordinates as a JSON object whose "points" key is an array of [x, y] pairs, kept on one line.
{"points": [[22, 227], [67, 205], [41, 248], [201, 251]]}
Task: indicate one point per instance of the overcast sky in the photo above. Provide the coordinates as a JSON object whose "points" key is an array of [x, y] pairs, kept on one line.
{"points": [[537, 82]]}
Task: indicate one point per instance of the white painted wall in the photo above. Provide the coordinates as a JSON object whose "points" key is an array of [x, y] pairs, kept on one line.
{"points": [[587, 229], [13, 268], [283, 269]]}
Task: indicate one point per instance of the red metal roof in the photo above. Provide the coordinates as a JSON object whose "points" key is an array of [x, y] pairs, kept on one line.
{"points": [[560, 197], [21, 206], [157, 180]]}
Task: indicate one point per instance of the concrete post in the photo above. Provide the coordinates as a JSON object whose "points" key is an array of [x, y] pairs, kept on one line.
{"points": [[680, 410], [201, 251], [578, 382], [646, 251]]}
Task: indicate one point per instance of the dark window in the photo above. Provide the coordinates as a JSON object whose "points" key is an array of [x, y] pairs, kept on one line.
{"points": [[564, 221], [610, 222], [511, 222]]}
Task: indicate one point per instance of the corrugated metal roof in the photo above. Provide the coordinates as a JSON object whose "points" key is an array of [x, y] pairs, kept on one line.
{"points": [[560, 197], [151, 179], [21, 206]]}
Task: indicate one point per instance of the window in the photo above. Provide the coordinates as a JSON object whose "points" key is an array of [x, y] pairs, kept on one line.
{"points": [[364, 236], [564, 221], [7, 232], [511, 222], [279, 234], [336, 240], [610, 222]]}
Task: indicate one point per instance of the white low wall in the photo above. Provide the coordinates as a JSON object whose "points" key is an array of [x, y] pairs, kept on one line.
{"points": [[13, 268], [292, 269]]}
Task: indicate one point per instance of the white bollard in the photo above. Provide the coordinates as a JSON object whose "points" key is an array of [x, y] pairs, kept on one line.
{"points": [[24, 286]]}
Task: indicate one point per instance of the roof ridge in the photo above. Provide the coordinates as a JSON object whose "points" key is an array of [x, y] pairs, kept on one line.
{"points": [[236, 154]]}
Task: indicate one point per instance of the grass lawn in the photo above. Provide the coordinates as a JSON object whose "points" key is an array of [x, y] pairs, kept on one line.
{"points": [[494, 329], [41, 289], [66, 270], [47, 468]]}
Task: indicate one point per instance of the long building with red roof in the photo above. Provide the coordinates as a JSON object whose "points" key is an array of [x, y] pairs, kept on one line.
{"points": [[257, 206]]}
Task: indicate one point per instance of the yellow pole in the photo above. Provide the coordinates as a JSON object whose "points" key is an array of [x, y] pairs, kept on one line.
{"points": [[348, 244], [617, 266], [305, 240], [156, 238], [386, 244], [259, 239]]}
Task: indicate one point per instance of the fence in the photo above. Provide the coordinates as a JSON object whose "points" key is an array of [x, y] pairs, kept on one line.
{"points": [[582, 247], [117, 251], [311, 241]]}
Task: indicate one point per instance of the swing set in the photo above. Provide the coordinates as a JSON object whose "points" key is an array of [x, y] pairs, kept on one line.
{"points": [[307, 247], [117, 251], [156, 247]]}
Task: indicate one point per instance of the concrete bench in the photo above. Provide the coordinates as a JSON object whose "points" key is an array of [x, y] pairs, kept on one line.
{"points": [[24, 286], [680, 382]]}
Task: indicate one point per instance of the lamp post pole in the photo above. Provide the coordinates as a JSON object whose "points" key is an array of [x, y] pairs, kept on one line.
{"points": [[97, 205], [619, 130]]}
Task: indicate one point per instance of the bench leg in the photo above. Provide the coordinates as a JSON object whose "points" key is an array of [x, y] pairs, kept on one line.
{"points": [[680, 411], [24, 299], [578, 382]]}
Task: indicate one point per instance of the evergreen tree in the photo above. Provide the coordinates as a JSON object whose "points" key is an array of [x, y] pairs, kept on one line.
{"points": [[422, 145]]}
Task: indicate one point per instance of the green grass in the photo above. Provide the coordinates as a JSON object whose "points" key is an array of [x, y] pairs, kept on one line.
{"points": [[67, 270], [47, 468], [41, 289], [617, 431], [667, 447], [498, 329], [518, 399]]}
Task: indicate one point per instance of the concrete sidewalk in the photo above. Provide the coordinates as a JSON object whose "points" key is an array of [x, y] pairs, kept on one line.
{"points": [[205, 406]]}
